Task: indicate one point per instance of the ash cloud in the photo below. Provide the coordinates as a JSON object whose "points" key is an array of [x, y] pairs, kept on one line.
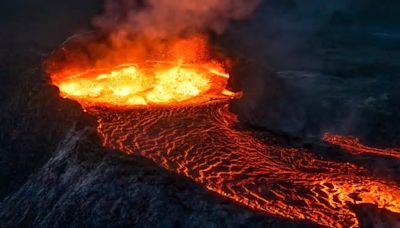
{"points": [[169, 18]]}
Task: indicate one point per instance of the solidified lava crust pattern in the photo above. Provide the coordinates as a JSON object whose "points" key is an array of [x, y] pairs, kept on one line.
{"points": [[201, 142]]}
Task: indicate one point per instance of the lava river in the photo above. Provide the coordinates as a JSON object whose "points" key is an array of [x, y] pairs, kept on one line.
{"points": [[178, 116], [201, 142]]}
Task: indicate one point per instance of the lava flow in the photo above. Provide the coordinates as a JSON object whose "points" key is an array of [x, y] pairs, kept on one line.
{"points": [[353, 145], [137, 110]]}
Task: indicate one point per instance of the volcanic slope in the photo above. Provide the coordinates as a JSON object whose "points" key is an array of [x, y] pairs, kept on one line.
{"points": [[203, 143]]}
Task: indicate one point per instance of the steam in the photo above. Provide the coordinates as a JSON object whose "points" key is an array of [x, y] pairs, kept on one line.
{"points": [[171, 18]]}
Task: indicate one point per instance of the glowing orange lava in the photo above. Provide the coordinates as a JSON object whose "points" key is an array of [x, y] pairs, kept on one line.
{"points": [[186, 75], [353, 145], [201, 143], [136, 106], [133, 85]]}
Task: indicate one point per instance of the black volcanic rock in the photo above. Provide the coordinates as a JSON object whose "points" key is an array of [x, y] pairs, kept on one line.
{"points": [[31, 126], [83, 184], [267, 102]]}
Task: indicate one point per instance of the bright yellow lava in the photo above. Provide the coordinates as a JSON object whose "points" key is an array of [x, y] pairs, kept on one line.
{"points": [[132, 85]]}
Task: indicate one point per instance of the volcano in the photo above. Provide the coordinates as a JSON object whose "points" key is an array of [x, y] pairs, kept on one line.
{"points": [[145, 119], [177, 115]]}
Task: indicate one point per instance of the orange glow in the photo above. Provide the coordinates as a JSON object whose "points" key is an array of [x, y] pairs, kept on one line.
{"points": [[353, 145], [201, 141], [185, 75], [133, 85]]}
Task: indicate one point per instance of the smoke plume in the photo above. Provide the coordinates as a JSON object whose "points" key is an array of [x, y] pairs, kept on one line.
{"points": [[169, 18]]}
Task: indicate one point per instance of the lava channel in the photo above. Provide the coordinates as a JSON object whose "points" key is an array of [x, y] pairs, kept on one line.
{"points": [[201, 142], [353, 146]]}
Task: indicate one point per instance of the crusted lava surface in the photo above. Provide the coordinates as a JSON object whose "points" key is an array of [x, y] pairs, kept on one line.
{"points": [[205, 143]]}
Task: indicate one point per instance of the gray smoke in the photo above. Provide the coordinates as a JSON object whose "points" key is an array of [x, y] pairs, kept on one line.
{"points": [[168, 18]]}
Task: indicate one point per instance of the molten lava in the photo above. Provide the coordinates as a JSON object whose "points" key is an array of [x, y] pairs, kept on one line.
{"points": [[201, 142], [353, 145], [186, 75], [133, 85]]}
